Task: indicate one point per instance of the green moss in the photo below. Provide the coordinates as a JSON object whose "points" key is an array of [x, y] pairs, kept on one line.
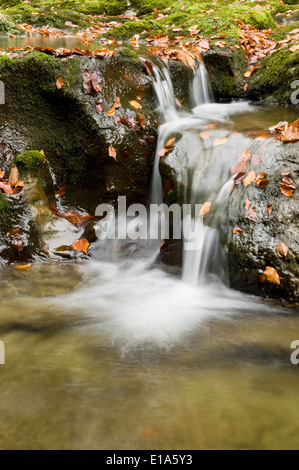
{"points": [[7, 25], [130, 28], [31, 160], [4, 205]]}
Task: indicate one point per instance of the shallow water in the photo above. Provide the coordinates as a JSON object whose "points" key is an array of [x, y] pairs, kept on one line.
{"points": [[105, 356]]}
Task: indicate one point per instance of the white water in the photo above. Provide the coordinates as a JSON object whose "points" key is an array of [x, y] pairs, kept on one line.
{"points": [[123, 296]]}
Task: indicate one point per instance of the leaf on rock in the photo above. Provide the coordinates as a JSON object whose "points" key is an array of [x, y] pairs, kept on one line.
{"points": [[272, 275], [250, 178], [251, 214], [269, 209], [117, 103], [283, 249], [111, 111], [205, 135], [135, 104], [6, 187], [23, 266], [112, 152], [14, 176], [247, 204], [141, 120], [237, 230], [81, 245], [220, 141], [99, 106], [61, 192]]}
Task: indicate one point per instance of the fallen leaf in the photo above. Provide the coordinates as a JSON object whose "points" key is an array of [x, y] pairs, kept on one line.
{"points": [[59, 83], [13, 232], [112, 152], [148, 67], [135, 104], [272, 275], [14, 176], [117, 103], [81, 245], [111, 111], [170, 142], [251, 214], [2, 173], [269, 209], [220, 141], [255, 160], [178, 103], [261, 181], [283, 249], [284, 189], [206, 207], [250, 178], [99, 106], [294, 48], [73, 217], [61, 191], [205, 134], [18, 245], [141, 120], [23, 266], [6, 187], [247, 204], [237, 230]]}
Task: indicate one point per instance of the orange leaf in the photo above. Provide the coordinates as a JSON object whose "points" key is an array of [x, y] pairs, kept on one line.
{"points": [[61, 191], [111, 111], [294, 48], [247, 204], [14, 176], [206, 207], [284, 189], [272, 275], [250, 178], [6, 187], [112, 152], [23, 266], [141, 119], [2, 173], [251, 214], [170, 142], [135, 104], [269, 209], [220, 141], [237, 230], [81, 245], [283, 249], [59, 83], [73, 217], [117, 103], [205, 134]]}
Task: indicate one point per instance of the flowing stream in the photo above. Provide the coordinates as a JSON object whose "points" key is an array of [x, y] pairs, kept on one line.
{"points": [[119, 354]]}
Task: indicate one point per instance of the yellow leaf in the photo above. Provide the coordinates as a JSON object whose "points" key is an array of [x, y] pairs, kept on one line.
{"points": [[272, 275], [135, 104]]}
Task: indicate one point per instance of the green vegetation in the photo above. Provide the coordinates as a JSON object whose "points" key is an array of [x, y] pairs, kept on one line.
{"points": [[4, 205], [31, 160]]}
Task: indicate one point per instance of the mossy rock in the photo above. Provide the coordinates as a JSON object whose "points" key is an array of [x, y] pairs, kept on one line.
{"points": [[31, 160], [4, 205]]}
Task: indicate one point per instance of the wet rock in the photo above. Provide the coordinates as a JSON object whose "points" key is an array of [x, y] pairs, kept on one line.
{"points": [[251, 251]]}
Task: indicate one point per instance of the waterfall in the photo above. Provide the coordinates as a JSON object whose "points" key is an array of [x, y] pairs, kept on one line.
{"points": [[201, 169]]}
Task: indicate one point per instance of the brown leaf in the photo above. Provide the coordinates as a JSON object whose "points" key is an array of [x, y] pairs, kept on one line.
{"points": [[250, 178], [141, 120], [206, 207], [164, 151], [220, 141], [112, 152], [148, 67], [237, 230], [81, 245], [135, 104], [117, 103], [247, 204], [59, 83], [239, 177], [73, 217], [6, 187], [14, 176], [99, 106], [61, 191], [251, 214], [111, 111], [272, 275], [23, 266], [13, 232], [261, 181], [285, 189], [2, 173], [294, 48], [269, 209], [18, 245], [283, 249]]}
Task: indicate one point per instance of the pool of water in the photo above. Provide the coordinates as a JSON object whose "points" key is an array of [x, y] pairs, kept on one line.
{"points": [[106, 356]]}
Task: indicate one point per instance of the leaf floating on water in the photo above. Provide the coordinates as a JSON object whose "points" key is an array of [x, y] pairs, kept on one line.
{"points": [[251, 214], [81, 245], [23, 266], [237, 230], [135, 104], [272, 275], [250, 178], [112, 152], [220, 141], [283, 249], [206, 207], [59, 83], [269, 209]]}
